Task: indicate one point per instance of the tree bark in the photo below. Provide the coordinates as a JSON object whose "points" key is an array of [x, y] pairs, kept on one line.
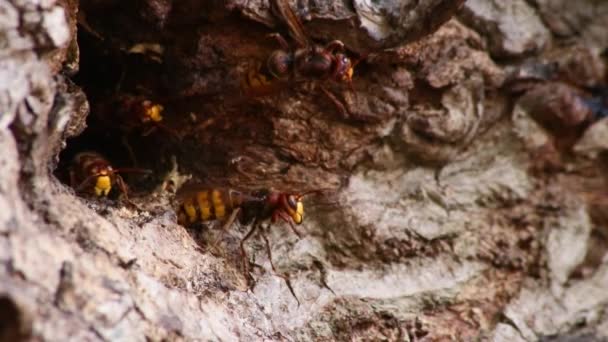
{"points": [[468, 201]]}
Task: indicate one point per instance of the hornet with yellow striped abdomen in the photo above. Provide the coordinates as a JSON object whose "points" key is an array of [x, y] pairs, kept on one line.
{"points": [[228, 205], [201, 204]]}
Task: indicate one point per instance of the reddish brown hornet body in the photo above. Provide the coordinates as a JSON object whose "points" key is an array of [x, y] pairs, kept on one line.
{"points": [[132, 114], [200, 204], [135, 112], [92, 173], [307, 61]]}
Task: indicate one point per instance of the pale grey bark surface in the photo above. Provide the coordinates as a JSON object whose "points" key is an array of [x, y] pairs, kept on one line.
{"points": [[461, 215]]}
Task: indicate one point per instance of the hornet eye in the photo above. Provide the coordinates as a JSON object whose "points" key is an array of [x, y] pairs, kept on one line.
{"points": [[292, 202]]}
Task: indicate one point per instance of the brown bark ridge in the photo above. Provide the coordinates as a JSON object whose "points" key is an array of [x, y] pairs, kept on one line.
{"points": [[467, 172]]}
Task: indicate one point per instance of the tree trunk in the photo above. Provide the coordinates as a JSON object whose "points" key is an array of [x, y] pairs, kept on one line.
{"points": [[462, 190]]}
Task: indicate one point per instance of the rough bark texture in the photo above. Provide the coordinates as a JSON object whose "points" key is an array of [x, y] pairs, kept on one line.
{"points": [[470, 202]]}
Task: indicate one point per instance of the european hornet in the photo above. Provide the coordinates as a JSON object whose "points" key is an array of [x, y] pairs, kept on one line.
{"points": [[133, 116], [135, 113], [306, 61], [201, 204], [91, 173]]}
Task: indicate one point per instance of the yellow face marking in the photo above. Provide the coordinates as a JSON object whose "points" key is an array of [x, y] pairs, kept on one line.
{"points": [[154, 113], [103, 186], [349, 74], [190, 210], [298, 215]]}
